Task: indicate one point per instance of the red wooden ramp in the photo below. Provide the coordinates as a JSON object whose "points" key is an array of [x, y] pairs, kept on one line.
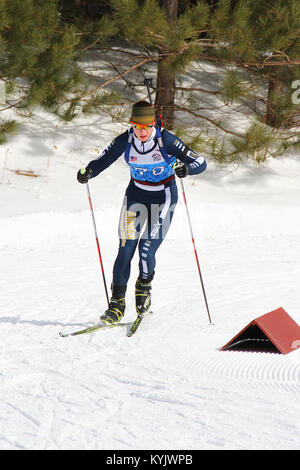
{"points": [[275, 332]]}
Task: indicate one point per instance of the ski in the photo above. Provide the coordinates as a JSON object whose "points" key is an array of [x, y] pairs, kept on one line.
{"points": [[137, 322], [103, 326], [135, 325], [91, 329]]}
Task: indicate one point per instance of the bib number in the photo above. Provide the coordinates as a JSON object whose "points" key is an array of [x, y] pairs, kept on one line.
{"points": [[158, 170]]}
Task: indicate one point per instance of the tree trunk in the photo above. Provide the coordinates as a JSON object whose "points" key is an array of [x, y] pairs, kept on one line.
{"points": [[165, 84], [275, 92]]}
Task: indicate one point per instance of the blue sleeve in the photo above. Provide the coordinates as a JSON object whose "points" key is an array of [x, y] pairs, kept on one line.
{"points": [[109, 155], [175, 147]]}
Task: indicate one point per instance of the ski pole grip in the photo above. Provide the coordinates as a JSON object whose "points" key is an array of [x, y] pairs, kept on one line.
{"points": [[82, 171]]}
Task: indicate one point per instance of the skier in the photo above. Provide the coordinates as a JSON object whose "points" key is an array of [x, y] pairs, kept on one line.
{"points": [[150, 200]]}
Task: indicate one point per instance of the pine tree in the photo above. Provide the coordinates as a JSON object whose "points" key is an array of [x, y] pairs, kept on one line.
{"points": [[165, 86], [167, 34], [279, 24], [259, 44], [262, 37], [256, 43], [37, 55]]}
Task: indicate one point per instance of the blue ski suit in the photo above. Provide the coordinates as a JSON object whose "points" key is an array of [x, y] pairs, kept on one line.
{"points": [[150, 197]]}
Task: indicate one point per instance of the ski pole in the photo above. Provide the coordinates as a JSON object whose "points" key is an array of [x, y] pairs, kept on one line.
{"points": [[148, 83], [194, 245], [97, 240]]}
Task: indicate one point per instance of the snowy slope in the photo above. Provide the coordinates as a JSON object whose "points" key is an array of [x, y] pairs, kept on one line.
{"points": [[169, 386]]}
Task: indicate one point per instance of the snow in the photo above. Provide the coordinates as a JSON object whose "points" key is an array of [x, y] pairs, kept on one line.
{"points": [[169, 386]]}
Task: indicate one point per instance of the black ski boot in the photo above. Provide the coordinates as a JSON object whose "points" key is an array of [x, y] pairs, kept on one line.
{"points": [[143, 294], [116, 307]]}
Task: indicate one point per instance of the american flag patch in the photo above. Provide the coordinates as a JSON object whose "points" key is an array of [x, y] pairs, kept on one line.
{"points": [[133, 159]]}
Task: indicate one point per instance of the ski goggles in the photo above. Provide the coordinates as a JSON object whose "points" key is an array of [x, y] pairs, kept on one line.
{"points": [[142, 126]]}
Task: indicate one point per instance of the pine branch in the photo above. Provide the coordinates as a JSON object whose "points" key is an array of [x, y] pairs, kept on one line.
{"points": [[202, 90], [212, 121], [246, 64], [120, 75]]}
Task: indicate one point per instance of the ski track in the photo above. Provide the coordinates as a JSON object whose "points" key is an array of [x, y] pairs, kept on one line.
{"points": [[245, 368], [167, 387]]}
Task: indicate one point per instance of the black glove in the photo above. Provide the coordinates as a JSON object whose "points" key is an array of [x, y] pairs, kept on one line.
{"points": [[84, 175], [181, 169]]}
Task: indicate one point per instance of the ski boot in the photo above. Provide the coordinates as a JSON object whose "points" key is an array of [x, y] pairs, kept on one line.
{"points": [[143, 295], [116, 307]]}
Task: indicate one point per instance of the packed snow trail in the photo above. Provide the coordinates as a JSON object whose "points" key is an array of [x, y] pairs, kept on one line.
{"points": [[169, 386]]}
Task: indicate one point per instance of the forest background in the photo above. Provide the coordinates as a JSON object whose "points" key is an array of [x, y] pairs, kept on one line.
{"points": [[52, 54]]}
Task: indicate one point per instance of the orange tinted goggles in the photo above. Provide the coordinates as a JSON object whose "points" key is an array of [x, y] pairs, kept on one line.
{"points": [[142, 126]]}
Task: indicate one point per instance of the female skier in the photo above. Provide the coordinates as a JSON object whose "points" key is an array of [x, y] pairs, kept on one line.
{"points": [[149, 202]]}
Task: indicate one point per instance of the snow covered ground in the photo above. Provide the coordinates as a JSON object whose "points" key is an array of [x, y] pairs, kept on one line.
{"points": [[169, 386]]}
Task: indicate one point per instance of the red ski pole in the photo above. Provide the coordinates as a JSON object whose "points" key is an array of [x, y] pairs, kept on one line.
{"points": [[97, 240], [195, 250]]}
